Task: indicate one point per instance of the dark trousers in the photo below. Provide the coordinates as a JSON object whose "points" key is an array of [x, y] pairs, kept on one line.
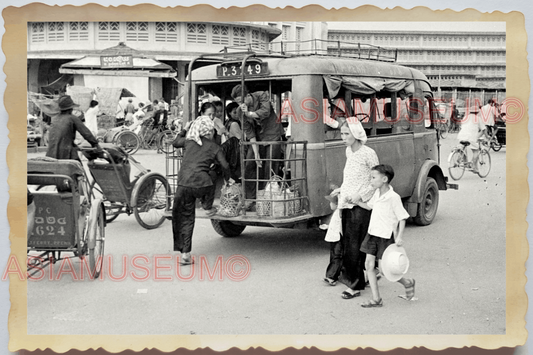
{"points": [[265, 172], [346, 261], [184, 213]]}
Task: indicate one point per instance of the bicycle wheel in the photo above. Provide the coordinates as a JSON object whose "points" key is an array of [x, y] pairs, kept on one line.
{"points": [[456, 164], [96, 238], [149, 200], [483, 163], [161, 142], [128, 141]]}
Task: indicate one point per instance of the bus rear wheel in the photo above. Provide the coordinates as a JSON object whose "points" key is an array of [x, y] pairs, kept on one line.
{"points": [[227, 229], [427, 209]]}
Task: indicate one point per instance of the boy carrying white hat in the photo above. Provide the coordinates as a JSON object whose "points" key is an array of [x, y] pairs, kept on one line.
{"points": [[386, 227]]}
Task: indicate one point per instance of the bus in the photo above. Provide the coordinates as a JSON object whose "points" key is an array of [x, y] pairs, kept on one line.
{"points": [[394, 103]]}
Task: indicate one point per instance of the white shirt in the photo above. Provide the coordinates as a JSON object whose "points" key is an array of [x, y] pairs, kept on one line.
{"points": [[91, 121], [387, 211], [470, 128], [488, 114]]}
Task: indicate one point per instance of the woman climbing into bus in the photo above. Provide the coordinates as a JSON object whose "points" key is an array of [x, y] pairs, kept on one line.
{"points": [[346, 261], [194, 180]]}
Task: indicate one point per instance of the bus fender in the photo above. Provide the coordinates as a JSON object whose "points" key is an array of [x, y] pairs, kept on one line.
{"points": [[432, 169]]}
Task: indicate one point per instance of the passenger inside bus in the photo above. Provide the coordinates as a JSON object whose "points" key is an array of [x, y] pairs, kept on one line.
{"points": [[231, 147], [334, 117], [260, 124]]}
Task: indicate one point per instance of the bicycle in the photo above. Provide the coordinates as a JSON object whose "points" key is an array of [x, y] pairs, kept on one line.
{"points": [[458, 160], [496, 142], [442, 127], [154, 137], [493, 140]]}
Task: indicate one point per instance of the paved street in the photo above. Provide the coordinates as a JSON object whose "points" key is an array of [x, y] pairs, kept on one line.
{"points": [[458, 263]]}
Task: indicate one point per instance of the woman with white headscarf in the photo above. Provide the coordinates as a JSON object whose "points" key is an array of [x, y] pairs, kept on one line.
{"points": [[194, 181], [346, 260]]}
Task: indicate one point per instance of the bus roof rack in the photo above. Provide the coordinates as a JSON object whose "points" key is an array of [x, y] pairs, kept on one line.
{"points": [[285, 49]]}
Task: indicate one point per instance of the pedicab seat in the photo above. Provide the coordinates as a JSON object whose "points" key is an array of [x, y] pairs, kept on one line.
{"points": [[56, 211], [46, 166], [104, 168]]}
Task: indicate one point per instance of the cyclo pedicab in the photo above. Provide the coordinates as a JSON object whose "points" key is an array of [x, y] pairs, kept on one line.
{"points": [[394, 104], [72, 209], [68, 218], [146, 196]]}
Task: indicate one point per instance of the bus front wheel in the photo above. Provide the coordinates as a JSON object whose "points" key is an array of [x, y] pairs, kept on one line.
{"points": [[226, 228], [427, 208]]}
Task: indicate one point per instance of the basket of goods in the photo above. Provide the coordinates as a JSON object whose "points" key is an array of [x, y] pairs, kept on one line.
{"points": [[278, 199], [230, 200]]}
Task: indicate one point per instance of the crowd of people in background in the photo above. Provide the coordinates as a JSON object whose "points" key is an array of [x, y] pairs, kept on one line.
{"points": [[132, 115]]}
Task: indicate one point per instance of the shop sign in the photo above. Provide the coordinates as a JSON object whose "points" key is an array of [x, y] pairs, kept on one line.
{"points": [[116, 61]]}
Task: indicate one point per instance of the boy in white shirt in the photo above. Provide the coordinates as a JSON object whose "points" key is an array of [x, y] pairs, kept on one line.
{"points": [[386, 227]]}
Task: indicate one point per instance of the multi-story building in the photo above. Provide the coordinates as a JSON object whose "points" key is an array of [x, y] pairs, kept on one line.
{"points": [[52, 44], [299, 37], [460, 61]]}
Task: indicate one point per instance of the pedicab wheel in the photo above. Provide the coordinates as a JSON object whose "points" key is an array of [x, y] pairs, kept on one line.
{"points": [[227, 228], [456, 164], [427, 209], [112, 210], [149, 200], [164, 147], [129, 141], [483, 163], [96, 238]]}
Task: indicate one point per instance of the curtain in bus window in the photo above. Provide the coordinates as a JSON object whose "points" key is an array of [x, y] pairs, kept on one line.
{"points": [[366, 86]]}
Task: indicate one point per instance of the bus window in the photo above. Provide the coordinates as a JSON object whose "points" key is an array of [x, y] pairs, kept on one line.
{"points": [[428, 122], [361, 110], [401, 121], [334, 116]]}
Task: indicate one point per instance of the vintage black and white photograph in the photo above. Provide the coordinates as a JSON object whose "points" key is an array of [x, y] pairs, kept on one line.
{"points": [[229, 172], [250, 178]]}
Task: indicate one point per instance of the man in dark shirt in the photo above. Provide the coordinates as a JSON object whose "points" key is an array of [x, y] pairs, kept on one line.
{"points": [[63, 132], [260, 124], [194, 181]]}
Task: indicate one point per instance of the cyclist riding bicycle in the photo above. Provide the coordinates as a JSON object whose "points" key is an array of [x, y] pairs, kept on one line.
{"points": [[489, 113], [472, 128]]}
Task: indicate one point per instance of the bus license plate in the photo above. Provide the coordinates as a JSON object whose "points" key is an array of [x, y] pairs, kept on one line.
{"points": [[234, 70]]}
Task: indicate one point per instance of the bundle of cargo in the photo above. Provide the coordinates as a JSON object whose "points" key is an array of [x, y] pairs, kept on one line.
{"points": [[278, 199]]}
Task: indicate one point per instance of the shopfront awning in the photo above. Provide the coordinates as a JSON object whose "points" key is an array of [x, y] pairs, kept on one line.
{"points": [[120, 60], [57, 85]]}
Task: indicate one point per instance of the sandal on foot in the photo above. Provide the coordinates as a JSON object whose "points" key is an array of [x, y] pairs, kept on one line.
{"points": [[348, 296], [187, 261], [372, 303], [409, 291], [213, 211], [330, 281]]}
